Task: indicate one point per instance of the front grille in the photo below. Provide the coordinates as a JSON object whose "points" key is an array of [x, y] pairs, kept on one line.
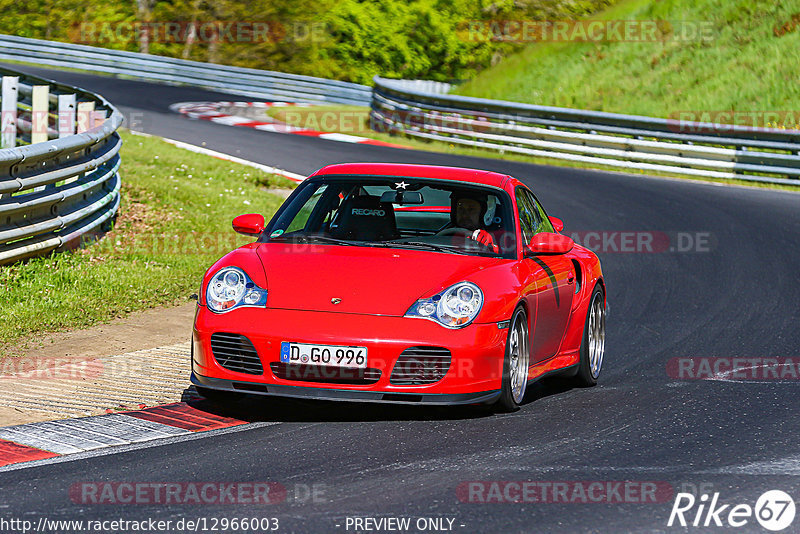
{"points": [[235, 352], [418, 366], [321, 373]]}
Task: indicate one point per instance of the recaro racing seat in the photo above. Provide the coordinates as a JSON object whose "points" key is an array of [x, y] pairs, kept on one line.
{"points": [[365, 218]]}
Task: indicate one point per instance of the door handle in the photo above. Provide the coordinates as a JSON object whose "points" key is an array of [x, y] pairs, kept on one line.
{"points": [[571, 279]]}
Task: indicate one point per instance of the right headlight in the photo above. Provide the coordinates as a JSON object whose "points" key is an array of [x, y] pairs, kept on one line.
{"points": [[455, 307], [231, 288]]}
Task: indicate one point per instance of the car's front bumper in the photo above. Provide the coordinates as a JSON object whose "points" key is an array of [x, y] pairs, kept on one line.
{"points": [[474, 376], [319, 393]]}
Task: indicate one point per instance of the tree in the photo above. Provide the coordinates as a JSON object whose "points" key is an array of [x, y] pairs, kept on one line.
{"points": [[144, 16]]}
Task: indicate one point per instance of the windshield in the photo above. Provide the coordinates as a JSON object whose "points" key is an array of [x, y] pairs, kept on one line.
{"points": [[398, 212]]}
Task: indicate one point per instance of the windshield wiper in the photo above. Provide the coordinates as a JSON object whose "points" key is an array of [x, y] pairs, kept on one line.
{"points": [[329, 240], [423, 244], [313, 238]]}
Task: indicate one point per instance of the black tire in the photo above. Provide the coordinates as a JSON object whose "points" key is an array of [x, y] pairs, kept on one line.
{"points": [[510, 394], [588, 369]]}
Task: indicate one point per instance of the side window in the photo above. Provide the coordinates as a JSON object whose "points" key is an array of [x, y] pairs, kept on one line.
{"points": [[528, 216], [300, 220], [546, 225]]}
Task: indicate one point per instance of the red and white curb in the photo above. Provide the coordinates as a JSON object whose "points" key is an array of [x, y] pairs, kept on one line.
{"points": [[52, 439], [211, 111]]}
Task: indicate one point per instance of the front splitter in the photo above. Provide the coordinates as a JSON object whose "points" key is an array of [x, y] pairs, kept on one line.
{"points": [[303, 392]]}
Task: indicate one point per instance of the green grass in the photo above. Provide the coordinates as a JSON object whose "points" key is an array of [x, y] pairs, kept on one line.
{"points": [[748, 64], [174, 222]]}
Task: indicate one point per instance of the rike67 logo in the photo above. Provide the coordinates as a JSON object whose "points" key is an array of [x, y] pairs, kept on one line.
{"points": [[774, 510]]}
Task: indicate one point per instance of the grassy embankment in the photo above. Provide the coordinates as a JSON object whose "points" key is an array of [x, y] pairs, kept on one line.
{"points": [[748, 63]]}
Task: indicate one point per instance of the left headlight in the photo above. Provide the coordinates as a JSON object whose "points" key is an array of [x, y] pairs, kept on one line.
{"points": [[231, 288], [455, 307]]}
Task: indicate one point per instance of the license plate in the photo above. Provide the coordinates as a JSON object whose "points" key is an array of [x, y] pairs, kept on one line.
{"points": [[328, 355]]}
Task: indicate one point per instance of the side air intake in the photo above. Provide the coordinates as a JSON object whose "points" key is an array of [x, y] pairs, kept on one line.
{"points": [[235, 352], [418, 366]]}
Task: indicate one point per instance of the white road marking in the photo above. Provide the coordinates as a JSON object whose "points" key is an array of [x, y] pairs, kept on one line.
{"points": [[219, 155], [231, 120], [342, 137]]}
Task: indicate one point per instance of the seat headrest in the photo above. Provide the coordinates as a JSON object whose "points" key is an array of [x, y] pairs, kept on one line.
{"points": [[365, 218]]}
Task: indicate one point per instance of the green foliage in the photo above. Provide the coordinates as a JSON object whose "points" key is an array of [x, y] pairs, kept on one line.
{"points": [[350, 40], [747, 63]]}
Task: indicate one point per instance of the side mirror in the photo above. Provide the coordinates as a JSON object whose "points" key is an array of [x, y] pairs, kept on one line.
{"points": [[250, 224], [557, 223], [547, 243]]}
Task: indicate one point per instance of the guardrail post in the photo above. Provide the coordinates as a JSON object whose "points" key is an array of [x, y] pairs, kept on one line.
{"points": [[40, 107], [66, 115], [85, 121], [8, 112], [99, 117]]}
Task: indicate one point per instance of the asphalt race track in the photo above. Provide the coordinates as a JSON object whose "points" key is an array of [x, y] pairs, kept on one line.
{"points": [[736, 295]]}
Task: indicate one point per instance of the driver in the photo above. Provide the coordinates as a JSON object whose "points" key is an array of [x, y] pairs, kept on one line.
{"points": [[467, 211]]}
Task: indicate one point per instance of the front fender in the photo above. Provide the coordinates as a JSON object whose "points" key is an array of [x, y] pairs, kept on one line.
{"points": [[245, 258], [591, 275]]}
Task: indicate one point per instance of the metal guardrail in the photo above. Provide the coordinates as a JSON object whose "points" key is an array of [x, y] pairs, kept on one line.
{"points": [[592, 137], [424, 86], [236, 80], [59, 162], [424, 109]]}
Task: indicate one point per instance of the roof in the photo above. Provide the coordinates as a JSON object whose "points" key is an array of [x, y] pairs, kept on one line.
{"points": [[417, 171]]}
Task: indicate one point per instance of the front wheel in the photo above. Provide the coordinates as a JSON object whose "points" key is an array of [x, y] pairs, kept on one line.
{"points": [[594, 341], [515, 363]]}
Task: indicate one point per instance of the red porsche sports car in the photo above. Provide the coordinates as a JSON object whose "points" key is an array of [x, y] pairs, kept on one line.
{"points": [[401, 283]]}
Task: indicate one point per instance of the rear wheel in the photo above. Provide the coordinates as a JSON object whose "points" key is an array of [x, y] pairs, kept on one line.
{"points": [[594, 341], [515, 364]]}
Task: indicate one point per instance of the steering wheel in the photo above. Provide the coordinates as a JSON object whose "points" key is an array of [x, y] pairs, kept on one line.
{"points": [[456, 231], [463, 232]]}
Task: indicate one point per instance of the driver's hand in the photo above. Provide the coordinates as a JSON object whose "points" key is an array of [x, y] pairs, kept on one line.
{"points": [[485, 238]]}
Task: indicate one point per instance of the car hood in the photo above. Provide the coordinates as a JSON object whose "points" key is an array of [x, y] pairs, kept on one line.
{"points": [[368, 280]]}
